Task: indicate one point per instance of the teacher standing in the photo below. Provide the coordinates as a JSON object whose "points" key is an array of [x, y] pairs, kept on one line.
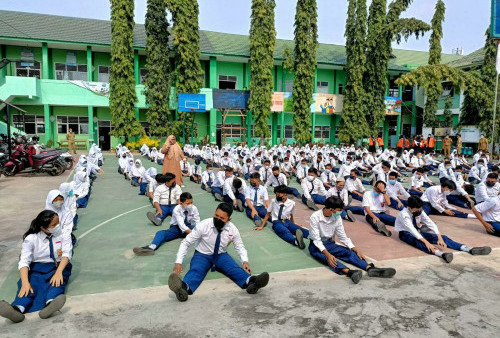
{"points": [[173, 157]]}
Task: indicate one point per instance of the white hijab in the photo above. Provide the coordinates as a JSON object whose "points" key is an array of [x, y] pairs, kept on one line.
{"points": [[65, 216], [136, 171]]}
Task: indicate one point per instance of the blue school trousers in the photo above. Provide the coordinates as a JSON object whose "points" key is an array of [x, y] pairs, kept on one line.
{"points": [[286, 230], [408, 238], [317, 199], [39, 276], [172, 233], [261, 212], [458, 201], [356, 197], [293, 191], [340, 252], [142, 188], [394, 204], [414, 192], [496, 226], [204, 187], [82, 202], [166, 210], [354, 210], [225, 264], [383, 217], [240, 197], [429, 210], [217, 190]]}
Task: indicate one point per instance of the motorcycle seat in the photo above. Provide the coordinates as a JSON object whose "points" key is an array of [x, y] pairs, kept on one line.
{"points": [[43, 155]]}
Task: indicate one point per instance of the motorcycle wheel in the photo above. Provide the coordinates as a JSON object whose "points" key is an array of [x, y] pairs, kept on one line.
{"points": [[9, 170], [69, 164], [59, 169]]}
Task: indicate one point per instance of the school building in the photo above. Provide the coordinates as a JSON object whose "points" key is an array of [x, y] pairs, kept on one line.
{"points": [[59, 71]]}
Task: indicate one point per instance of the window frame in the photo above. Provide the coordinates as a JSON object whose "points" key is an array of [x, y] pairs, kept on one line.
{"points": [[64, 122], [322, 88], [99, 73], [228, 80], [80, 75], [38, 121]]}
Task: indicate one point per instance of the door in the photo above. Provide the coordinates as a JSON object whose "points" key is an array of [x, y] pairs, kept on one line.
{"points": [[104, 137], [219, 138]]}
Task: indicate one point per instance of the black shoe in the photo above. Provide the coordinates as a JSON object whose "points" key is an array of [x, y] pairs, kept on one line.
{"points": [[300, 239], [447, 256], [239, 205], [355, 275], [381, 272], [257, 282], [219, 197], [312, 205], [382, 229], [134, 183], [209, 190], [144, 251], [480, 251], [350, 216], [177, 286], [152, 217], [258, 222], [10, 312], [55, 305]]}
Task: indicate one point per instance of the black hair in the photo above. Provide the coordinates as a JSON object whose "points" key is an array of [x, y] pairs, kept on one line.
{"points": [[354, 171], [334, 202], [185, 196], [161, 179], [275, 156], [420, 170], [393, 174], [286, 158], [255, 175], [226, 207], [226, 153], [460, 167], [303, 160], [267, 161], [415, 202], [209, 165], [42, 220], [328, 164], [386, 164], [237, 183], [495, 168], [380, 181], [197, 161], [312, 170], [447, 162], [248, 160], [169, 177], [228, 169], [469, 189], [446, 183], [281, 189], [493, 175], [275, 168], [480, 160]]}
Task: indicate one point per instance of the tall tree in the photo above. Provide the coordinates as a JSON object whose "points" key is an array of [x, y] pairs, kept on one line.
{"points": [[122, 82], [157, 82], [262, 41], [353, 124], [188, 72], [384, 27], [306, 44]]}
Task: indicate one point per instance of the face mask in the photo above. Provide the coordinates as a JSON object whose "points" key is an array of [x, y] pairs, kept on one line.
{"points": [[173, 185], [304, 166], [279, 198], [310, 178], [376, 194], [84, 165], [448, 168], [219, 224], [188, 207], [70, 193], [57, 204], [339, 189], [337, 214], [253, 184], [327, 171], [417, 213], [392, 182], [55, 231], [137, 165], [446, 192], [490, 184], [480, 166], [352, 177], [210, 171]]}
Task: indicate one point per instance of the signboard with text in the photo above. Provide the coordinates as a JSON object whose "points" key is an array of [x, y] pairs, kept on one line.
{"points": [[495, 19]]}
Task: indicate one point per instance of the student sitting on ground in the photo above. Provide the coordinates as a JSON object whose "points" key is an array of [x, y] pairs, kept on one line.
{"points": [[375, 203], [212, 237], [207, 178], [81, 189], [395, 190], [478, 172], [256, 200], [184, 218], [328, 177], [355, 188], [185, 167], [417, 182], [326, 227], [195, 172], [218, 184], [234, 192], [301, 170], [147, 178], [44, 268], [152, 187], [247, 169], [409, 222], [277, 179], [488, 213], [265, 171], [436, 203], [165, 198], [67, 192], [487, 189], [281, 212], [136, 173], [313, 190], [339, 191]]}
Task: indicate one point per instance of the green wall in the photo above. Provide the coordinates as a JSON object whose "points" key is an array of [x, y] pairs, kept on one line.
{"points": [[230, 68]]}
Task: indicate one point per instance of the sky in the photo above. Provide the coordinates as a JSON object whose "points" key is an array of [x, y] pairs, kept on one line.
{"points": [[464, 27]]}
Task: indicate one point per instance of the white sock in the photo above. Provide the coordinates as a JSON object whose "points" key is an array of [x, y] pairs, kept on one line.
{"points": [[465, 248], [296, 243], [152, 246], [248, 280], [48, 301], [21, 308], [438, 253], [471, 216]]}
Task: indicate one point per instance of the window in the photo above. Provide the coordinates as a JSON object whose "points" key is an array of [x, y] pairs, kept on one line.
{"points": [[288, 86], [322, 132], [447, 89], [79, 124], [288, 131], [322, 87], [104, 72], [227, 82], [232, 130], [408, 93], [340, 89], [71, 72], [252, 130], [393, 88], [30, 124], [142, 75], [28, 69], [145, 125]]}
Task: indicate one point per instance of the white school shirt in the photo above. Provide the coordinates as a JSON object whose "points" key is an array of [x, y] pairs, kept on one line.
{"points": [[436, 198], [205, 235], [185, 166], [416, 181], [152, 186], [490, 209], [323, 229], [220, 177], [328, 177], [315, 187], [334, 192], [375, 203], [205, 177], [380, 173], [229, 190], [445, 172], [459, 182], [274, 181], [265, 173], [404, 222], [477, 173], [352, 185], [301, 172], [396, 189], [484, 192], [247, 169], [345, 169], [287, 212], [287, 166], [161, 194], [178, 217], [36, 249], [226, 161], [261, 192], [195, 170]]}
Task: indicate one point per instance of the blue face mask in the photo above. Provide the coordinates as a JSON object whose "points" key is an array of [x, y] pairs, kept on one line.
{"points": [[376, 194], [337, 214], [70, 193], [210, 171], [480, 166], [392, 182]]}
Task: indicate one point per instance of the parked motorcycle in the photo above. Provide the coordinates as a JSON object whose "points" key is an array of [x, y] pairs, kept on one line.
{"points": [[25, 160]]}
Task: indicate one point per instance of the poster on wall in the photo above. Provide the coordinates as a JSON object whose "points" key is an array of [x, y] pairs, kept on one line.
{"points": [[277, 102], [393, 105], [230, 99], [329, 103], [99, 88], [71, 58], [470, 134], [27, 58]]}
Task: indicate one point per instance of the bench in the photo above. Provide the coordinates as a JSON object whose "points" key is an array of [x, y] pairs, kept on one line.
{"points": [[79, 144]]}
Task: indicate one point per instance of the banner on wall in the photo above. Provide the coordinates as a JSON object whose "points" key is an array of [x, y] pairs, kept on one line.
{"points": [[230, 99], [329, 103], [99, 88], [277, 102], [393, 105]]}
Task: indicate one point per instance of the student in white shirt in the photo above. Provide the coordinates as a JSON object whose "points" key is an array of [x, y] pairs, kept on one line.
{"points": [[212, 237], [136, 172], [195, 172], [44, 267], [302, 170], [328, 177], [375, 203], [184, 218], [339, 191], [346, 167], [147, 178], [234, 192], [409, 223], [460, 196], [207, 178], [436, 203], [280, 211], [487, 189], [354, 186], [225, 161], [256, 200], [313, 190], [325, 228], [247, 169], [488, 213], [417, 182], [478, 172], [287, 167], [445, 170], [165, 198], [277, 179], [218, 184], [265, 171], [395, 190], [185, 167]]}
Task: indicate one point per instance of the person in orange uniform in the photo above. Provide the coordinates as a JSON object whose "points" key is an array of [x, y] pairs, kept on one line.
{"points": [[400, 145], [407, 144], [371, 144], [447, 145], [429, 144], [380, 142]]}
